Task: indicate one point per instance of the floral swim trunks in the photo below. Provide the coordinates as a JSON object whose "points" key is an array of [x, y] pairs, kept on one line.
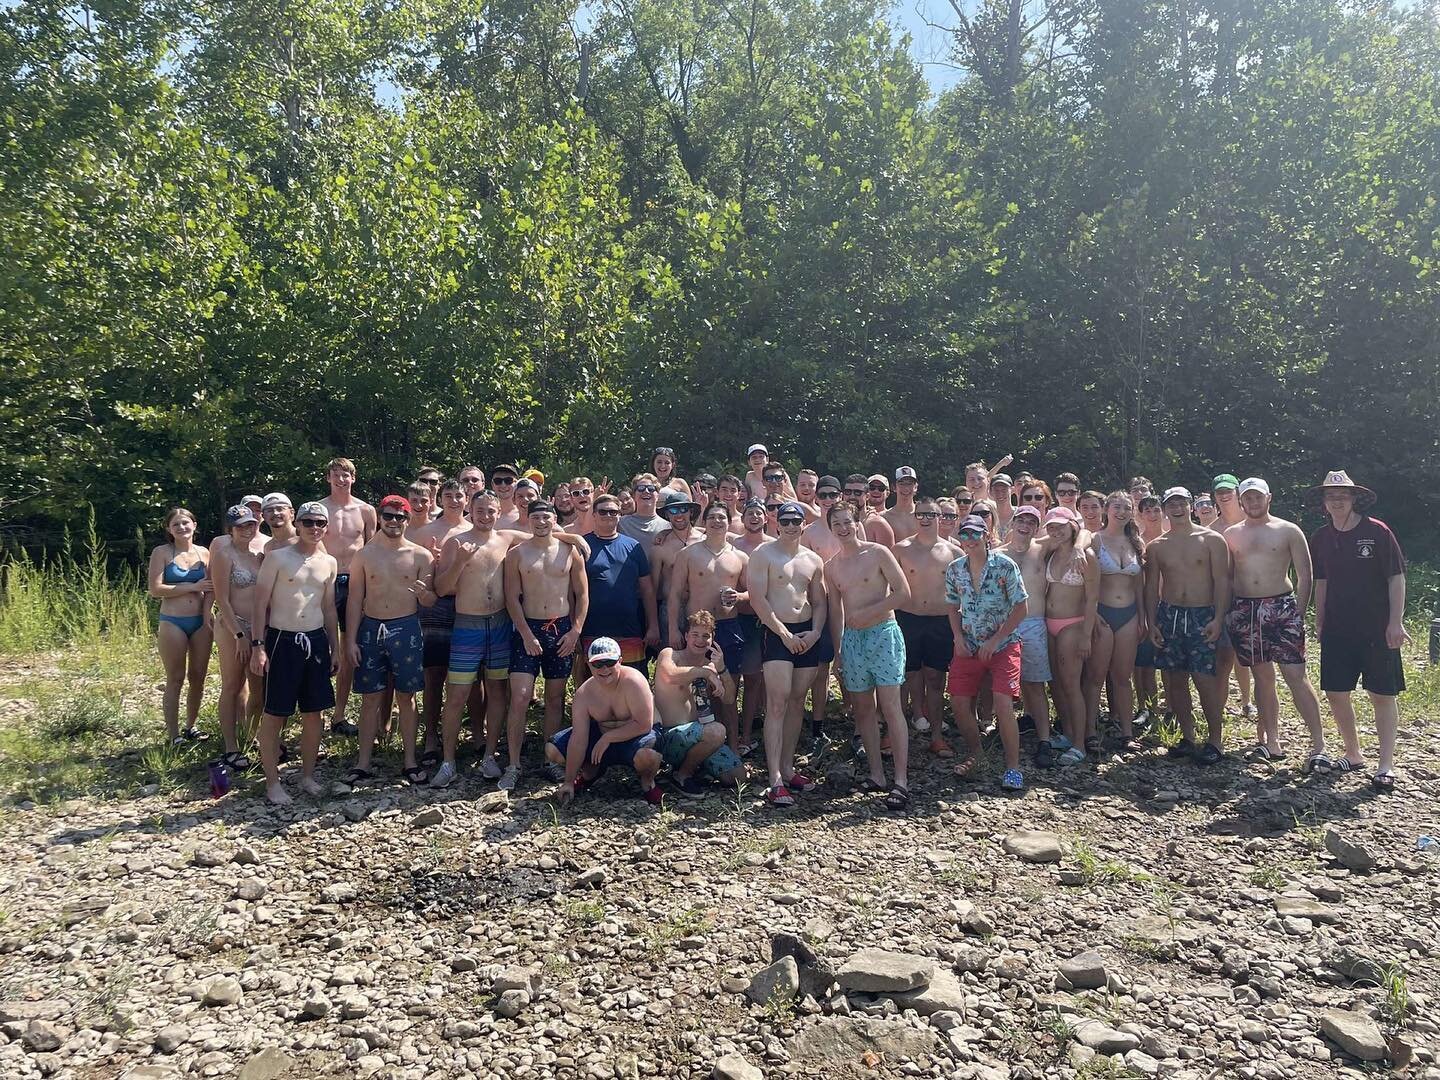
{"points": [[1266, 630]]}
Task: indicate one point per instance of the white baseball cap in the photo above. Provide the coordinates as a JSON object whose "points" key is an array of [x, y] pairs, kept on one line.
{"points": [[1177, 493], [603, 648], [1254, 483], [756, 447], [274, 499], [905, 472]]}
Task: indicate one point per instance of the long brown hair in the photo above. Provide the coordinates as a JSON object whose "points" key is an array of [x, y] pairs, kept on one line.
{"points": [[1132, 531]]}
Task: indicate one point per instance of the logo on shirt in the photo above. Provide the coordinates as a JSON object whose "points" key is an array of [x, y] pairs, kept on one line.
{"points": [[1365, 548]]}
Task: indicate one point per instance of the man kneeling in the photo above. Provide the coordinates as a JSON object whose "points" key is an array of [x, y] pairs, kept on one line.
{"points": [[688, 683], [617, 700]]}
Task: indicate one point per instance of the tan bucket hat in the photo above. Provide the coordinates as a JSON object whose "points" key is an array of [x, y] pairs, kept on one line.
{"points": [[1339, 478]]}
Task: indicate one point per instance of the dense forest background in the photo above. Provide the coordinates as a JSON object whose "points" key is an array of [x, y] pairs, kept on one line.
{"points": [[1170, 237]]}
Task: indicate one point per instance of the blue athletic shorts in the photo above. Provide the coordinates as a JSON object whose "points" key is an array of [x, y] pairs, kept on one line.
{"points": [[874, 656], [616, 754], [549, 663], [730, 637], [480, 641], [390, 649]]}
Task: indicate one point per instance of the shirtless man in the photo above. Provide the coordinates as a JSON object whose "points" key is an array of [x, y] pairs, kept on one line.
{"points": [[295, 623], [901, 516], [1001, 489], [437, 622], [421, 498], [877, 529], [1151, 518], [279, 515], [977, 476], [582, 491], [727, 493], [865, 583], [526, 492], [547, 596], [1267, 620], [689, 683], [503, 481], [352, 524], [472, 479], [710, 576], [806, 481], [392, 580], [924, 621], [952, 510], [758, 457], [1187, 590], [751, 673], [817, 535], [681, 513], [617, 700], [787, 590], [1227, 510], [1035, 672]]}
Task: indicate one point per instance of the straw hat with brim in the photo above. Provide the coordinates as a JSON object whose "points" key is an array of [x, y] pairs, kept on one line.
{"points": [[1339, 478]]}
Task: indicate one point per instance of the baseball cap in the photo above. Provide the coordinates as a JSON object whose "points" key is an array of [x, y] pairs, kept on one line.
{"points": [[1062, 514], [239, 514], [540, 506], [753, 503], [525, 481], [511, 469], [790, 510], [1176, 492], [256, 499], [1254, 483], [1028, 510], [536, 477], [974, 523], [1002, 478], [905, 472], [399, 502], [705, 478], [603, 648], [828, 483], [1224, 480], [756, 446], [879, 478], [274, 499], [313, 510]]}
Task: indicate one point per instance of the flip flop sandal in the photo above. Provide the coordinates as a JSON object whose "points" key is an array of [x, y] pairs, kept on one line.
{"points": [[1318, 762], [941, 749], [415, 775], [355, 777], [1383, 782], [1132, 746], [235, 761], [194, 734], [1093, 745], [963, 769], [870, 787], [898, 798], [1258, 752], [1208, 754], [1343, 765]]}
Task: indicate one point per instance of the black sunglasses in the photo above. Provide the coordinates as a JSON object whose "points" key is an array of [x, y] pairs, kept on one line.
{"points": [[387, 515], [949, 517], [827, 494], [645, 489], [963, 502], [854, 491], [926, 515], [772, 508], [775, 478], [982, 512], [877, 487], [314, 523], [1034, 496], [1067, 491], [603, 664], [608, 511], [500, 480]]}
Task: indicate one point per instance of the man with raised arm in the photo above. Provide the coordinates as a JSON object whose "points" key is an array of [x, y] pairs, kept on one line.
{"points": [[548, 596], [295, 631], [1267, 620], [787, 590], [391, 580], [865, 584], [352, 524], [689, 683], [1187, 591], [612, 723]]}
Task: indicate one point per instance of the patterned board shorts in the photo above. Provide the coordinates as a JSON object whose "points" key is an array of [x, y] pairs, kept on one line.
{"points": [[871, 657], [676, 742], [1266, 630], [390, 649], [1034, 650], [1185, 648]]}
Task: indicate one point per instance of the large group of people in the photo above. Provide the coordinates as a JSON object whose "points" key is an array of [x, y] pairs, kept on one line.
{"points": [[1032, 605]]}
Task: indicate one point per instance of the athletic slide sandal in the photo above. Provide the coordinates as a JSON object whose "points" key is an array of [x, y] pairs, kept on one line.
{"points": [[355, 777], [416, 775], [898, 799]]}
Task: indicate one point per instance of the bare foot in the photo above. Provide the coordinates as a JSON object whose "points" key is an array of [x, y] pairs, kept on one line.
{"points": [[276, 794], [310, 786]]}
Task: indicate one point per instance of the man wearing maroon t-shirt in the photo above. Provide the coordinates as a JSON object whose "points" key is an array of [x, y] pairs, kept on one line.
{"points": [[1359, 612]]}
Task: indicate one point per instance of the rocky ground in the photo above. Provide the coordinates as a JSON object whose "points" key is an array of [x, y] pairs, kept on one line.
{"points": [[1143, 918]]}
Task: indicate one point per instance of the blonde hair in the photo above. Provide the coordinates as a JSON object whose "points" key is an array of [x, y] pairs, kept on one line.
{"points": [[701, 620]]}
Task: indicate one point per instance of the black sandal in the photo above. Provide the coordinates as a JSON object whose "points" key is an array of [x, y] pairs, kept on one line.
{"points": [[356, 777], [194, 734], [1383, 783], [898, 799], [416, 775], [235, 761], [870, 787]]}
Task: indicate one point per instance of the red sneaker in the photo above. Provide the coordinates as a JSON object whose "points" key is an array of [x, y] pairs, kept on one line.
{"points": [[654, 796], [780, 796]]}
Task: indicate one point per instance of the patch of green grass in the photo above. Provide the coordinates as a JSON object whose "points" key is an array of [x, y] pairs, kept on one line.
{"points": [[686, 923], [1101, 1067], [1268, 877], [780, 1009], [1095, 869], [1397, 995], [1165, 731], [584, 912]]}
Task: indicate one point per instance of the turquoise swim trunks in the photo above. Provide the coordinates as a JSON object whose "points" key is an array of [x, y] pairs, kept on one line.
{"points": [[872, 657]]}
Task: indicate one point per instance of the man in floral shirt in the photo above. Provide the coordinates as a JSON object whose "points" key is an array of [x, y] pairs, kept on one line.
{"points": [[986, 594]]}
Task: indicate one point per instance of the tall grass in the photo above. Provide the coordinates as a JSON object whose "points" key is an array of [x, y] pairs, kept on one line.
{"points": [[73, 600]]}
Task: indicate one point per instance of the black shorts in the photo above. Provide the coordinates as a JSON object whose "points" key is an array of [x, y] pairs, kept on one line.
{"points": [[929, 642], [298, 678], [1344, 661], [342, 594], [437, 625], [730, 637], [549, 663], [772, 648]]}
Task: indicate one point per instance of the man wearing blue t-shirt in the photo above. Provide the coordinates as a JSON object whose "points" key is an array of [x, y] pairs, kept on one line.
{"points": [[622, 592]]}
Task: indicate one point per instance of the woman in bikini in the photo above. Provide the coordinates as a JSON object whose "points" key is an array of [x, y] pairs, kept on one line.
{"points": [[1120, 555], [179, 579], [234, 568], [662, 464], [1072, 586]]}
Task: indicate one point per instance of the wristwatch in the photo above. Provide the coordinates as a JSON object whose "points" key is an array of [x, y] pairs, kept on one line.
{"points": [[239, 635], [256, 643]]}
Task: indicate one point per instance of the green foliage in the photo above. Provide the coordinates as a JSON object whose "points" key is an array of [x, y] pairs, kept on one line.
{"points": [[1144, 236]]}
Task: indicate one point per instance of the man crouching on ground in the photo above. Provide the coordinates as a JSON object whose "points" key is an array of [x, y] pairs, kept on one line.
{"points": [[689, 684], [618, 700]]}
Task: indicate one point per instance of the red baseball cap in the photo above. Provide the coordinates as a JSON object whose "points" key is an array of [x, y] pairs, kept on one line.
{"points": [[396, 502]]}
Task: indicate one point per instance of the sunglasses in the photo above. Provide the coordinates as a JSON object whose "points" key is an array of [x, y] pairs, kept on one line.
{"points": [[772, 508], [982, 512], [877, 487], [963, 502], [645, 489], [666, 450], [775, 478], [1037, 497], [502, 481], [854, 491], [926, 515], [387, 515], [827, 494], [972, 535], [314, 523], [581, 493], [791, 522], [1067, 492], [603, 665], [608, 511], [949, 517]]}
